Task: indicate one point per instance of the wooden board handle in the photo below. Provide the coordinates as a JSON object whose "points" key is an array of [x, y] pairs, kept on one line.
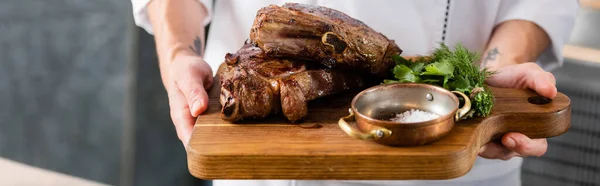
{"points": [[528, 113]]}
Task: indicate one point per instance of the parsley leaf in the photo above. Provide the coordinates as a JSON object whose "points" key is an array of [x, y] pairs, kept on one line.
{"points": [[417, 67], [405, 74], [441, 68]]}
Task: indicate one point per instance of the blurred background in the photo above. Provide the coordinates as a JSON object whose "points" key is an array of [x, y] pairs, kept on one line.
{"points": [[81, 101]]}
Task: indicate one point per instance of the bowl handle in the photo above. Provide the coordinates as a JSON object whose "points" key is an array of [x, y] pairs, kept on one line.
{"points": [[463, 111], [371, 135]]}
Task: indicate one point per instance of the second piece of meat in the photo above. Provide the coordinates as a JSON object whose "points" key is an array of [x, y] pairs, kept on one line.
{"points": [[255, 86], [298, 89]]}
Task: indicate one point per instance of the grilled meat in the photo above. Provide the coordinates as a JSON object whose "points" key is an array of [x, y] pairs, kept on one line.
{"points": [[256, 86], [299, 53], [323, 35], [298, 89]]}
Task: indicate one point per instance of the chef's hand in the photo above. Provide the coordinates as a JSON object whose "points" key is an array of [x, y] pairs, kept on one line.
{"points": [[189, 77], [525, 75]]}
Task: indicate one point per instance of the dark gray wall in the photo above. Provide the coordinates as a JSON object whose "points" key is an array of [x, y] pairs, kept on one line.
{"points": [[64, 80], [80, 93], [574, 157]]}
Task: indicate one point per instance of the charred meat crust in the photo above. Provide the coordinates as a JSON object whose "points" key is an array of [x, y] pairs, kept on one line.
{"points": [[323, 35]]}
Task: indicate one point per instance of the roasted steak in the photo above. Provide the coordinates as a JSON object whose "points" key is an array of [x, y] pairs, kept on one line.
{"points": [[298, 53], [324, 35], [256, 86]]}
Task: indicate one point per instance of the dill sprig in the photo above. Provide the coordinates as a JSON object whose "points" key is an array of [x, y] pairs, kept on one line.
{"points": [[452, 70]]}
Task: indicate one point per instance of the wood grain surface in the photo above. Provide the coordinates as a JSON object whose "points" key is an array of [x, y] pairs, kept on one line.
{"points": [[317, 148]]}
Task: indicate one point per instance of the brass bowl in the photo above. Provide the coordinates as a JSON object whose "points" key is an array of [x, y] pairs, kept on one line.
{"points": [[373, 109]]}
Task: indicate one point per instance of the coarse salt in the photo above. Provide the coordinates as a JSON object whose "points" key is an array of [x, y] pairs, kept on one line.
{"points": [[414, 115]]}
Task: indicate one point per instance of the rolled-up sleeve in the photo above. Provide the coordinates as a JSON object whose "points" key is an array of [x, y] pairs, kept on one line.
{"points": [[140, 13], [555, 17]]}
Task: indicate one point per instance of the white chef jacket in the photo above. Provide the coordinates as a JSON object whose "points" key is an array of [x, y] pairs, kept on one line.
{"points": [[417, 27]]}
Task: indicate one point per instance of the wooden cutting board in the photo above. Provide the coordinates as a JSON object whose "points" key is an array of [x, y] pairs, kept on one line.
{"points": [[317, 148]]}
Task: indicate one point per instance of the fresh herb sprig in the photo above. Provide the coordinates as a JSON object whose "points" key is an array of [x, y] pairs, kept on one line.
{"points": [[452, 70]]}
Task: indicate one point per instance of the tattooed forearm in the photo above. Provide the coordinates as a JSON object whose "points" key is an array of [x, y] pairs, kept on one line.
{"points": [[196, 47], [490, 56]]}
